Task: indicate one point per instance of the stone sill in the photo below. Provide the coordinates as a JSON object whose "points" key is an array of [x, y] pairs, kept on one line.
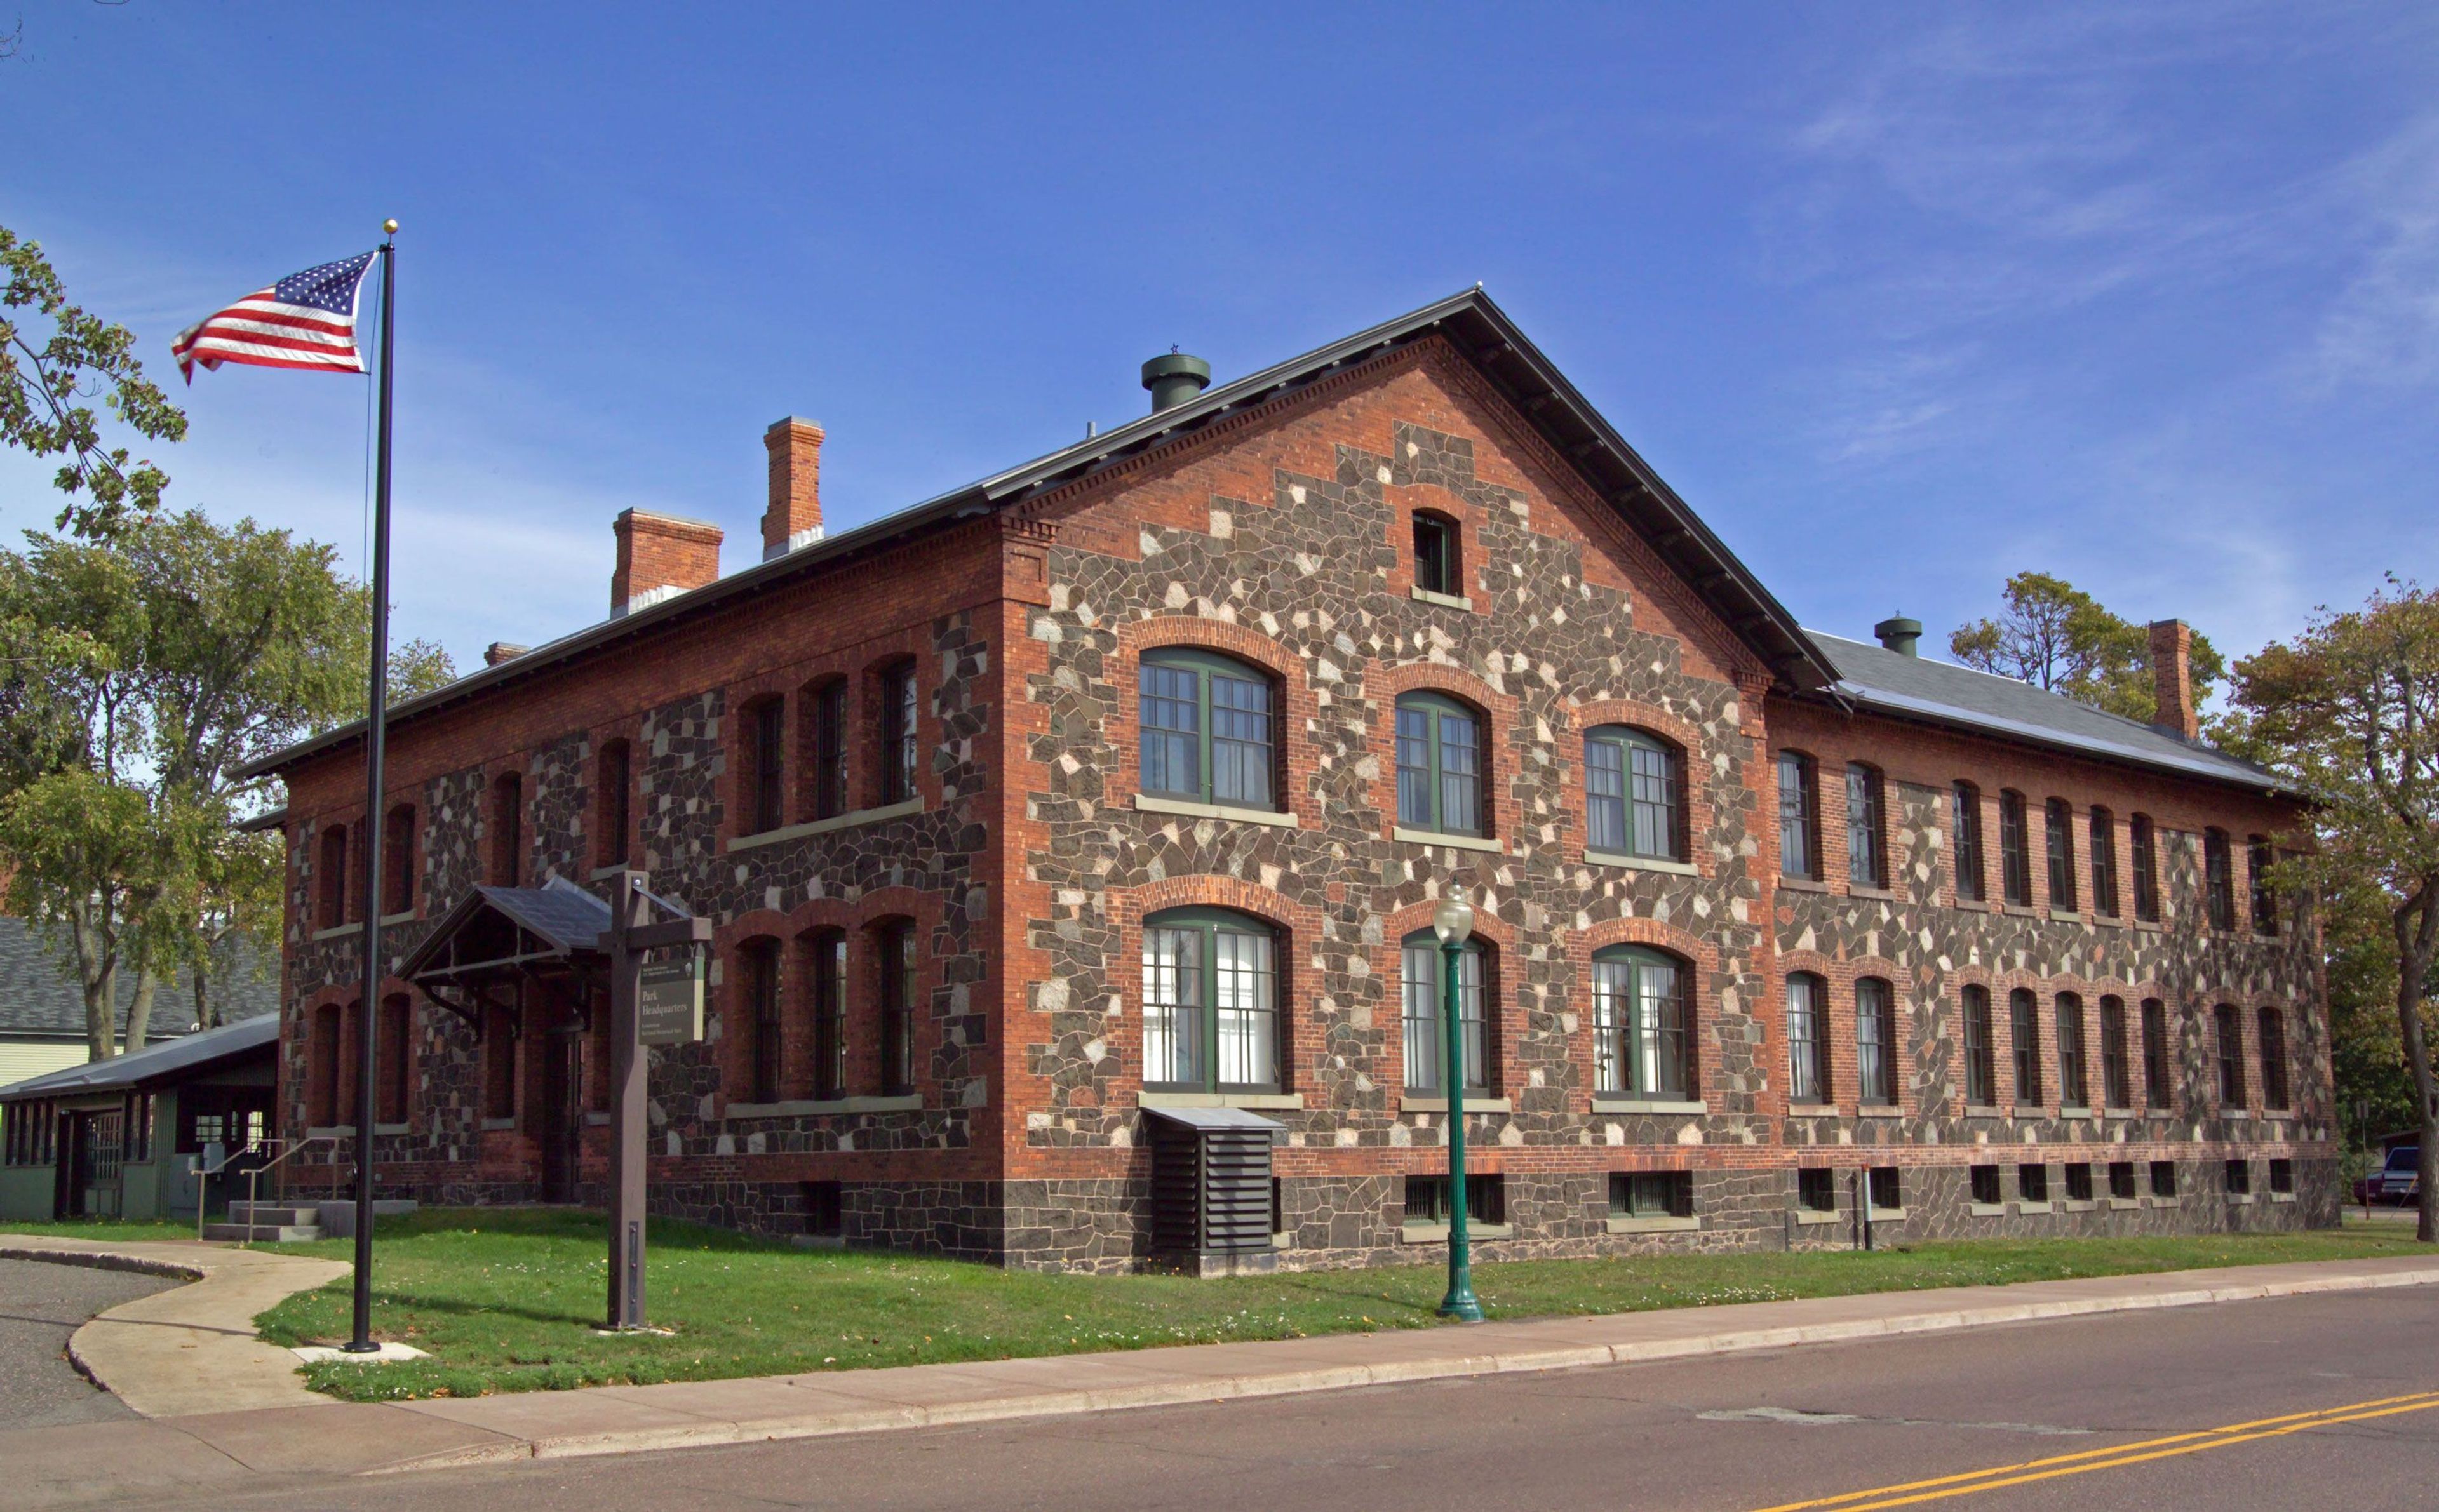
{"points": [[406, 917], [2149, 926], [1283, 1101], [2235, 1114], [1410, 1104], [594, 1119], [805, 1108], [1881, 1110], [1803, 885], [2166, 1201], [2066, 916], [1807, 1217], [1878, 895], [1986, 1209], [1438, 1233], [2075, 1112], [2281, 1197], [338, 931], [1658, 1224], [2020, 911], [2120, 1204], [1187, 808], [1611, 857], [2239, 1199], [1433, 837], [1977, 1111], [2282, 1115], [1888, 1214], [2078, 1204], [823, 827], [1645, 1105], [1813, 1110], [2023, 1208], [2117, 1112], [348, 1131], [1424, 595], [499, 1126]]}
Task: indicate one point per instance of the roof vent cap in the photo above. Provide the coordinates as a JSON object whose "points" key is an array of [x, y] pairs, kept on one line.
{"points": [[1175, 379], [1898, 634]]}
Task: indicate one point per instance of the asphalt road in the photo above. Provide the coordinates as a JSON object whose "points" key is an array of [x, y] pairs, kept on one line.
{"points": [[40, 1305], [2110, 1413]]}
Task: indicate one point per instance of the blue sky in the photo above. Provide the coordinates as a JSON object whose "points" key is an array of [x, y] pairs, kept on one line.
{"points": [[1901, 300]]}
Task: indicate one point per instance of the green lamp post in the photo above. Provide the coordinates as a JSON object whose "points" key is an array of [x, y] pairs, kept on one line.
{"points": [[1453, 921]]}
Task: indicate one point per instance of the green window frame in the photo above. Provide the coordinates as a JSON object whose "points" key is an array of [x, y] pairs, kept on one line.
{"points": [[2073, 1090], [2143, 854], [2015, 850], [1635, 803], [2059, 821], [2104, 862], [2218, 876], [1967, 799], [1799, 817], [2024, 1030], [1981, 1055], [1210, 1002], [1868, 859], [1426, 1042], [1876, 1041], [1207, 728], [1439, 555], [1441, 759], [1808, 1039], [1642, 1044]]}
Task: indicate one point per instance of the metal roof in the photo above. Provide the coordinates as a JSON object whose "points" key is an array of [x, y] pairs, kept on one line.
{"points": [[1474, 325], [1201, 1118], [1888, 682], [153, 1064]]}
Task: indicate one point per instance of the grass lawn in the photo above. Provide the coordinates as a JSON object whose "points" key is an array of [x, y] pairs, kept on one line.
{"points": [[101, 1228], [504, 1299]]}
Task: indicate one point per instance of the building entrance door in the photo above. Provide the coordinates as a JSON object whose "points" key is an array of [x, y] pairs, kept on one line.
{"points": [[563, 1118]]}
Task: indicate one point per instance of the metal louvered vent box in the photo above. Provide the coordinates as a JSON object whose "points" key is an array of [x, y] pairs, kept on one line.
{"points": [[1211, 1189]]}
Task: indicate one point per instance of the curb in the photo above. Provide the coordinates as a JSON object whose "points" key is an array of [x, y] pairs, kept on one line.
{"points": [[713, 1431]]}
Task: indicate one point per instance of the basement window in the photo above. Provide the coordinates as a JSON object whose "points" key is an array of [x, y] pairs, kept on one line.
{"points": [[2163, 1178], [1816, 1189], [1427, 1199], [2078, 1183], [825, 1209], [1985, 1185], [1887, 1188], [2239, 1177], [2033, 1183], [2282, 1176], [2121, 1180], [1651, 1194]]}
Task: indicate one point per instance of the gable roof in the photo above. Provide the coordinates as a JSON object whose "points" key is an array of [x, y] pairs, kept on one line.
{"points": [[1471, 323], [38, 1000], [207, 1050], [1888, 682]]}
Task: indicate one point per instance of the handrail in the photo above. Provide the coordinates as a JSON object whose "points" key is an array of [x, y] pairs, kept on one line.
{"points": [[254, 1177]]}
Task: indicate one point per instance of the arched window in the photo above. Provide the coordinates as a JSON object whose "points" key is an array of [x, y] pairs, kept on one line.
{"points": [[1439, 555], [507, 829], [1867, 857], [826, 978], [612, 804], [1439, 765], [1633, 795], [2257, 859], [1211, 1002], [2218, 878], [898, 756], [1209, 729], [1981, 1054], [398, 861], [2156, 1090], [397, 1059], [825, 746], [2116, 1071], [2072, 1091], [332, 908], [2143, 854], [1426, 1038], [2231, 1055], [765, 765], [1808, 1039], [2059, 822], [1799, 817], [758, 970], [894, 946], [1877, 1046], [2024, 1027], [2015, 850], [2273, 1061], [1642, 1044], [2104, 862], [1967, 805], [327, 1054]]}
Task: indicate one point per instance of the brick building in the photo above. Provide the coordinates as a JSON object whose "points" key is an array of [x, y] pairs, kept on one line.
{"points": [[1115, 790]]}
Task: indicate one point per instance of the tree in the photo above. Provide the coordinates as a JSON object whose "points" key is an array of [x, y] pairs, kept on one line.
{"points": [[2352, 708], [45, 377], [143, 672], [2058, 637]]}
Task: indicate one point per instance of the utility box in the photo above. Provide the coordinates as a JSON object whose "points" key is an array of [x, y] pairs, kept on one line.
{"points": [[1211, 1190]]}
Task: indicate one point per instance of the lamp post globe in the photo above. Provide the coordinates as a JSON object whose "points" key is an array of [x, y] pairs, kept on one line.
{"points": [[1453, 921]]}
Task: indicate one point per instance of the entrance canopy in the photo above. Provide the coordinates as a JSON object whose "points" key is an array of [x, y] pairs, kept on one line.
{"points": [[498, 936]]}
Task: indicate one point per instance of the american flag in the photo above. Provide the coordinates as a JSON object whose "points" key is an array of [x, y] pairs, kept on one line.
{"points": [[304, 320]]}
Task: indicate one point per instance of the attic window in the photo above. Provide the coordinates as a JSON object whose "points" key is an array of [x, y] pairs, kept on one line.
{"points": [[1437, 569]]}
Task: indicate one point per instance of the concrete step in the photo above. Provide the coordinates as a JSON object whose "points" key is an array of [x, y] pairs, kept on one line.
{"points": [[276, 1212], [264, 1233]]}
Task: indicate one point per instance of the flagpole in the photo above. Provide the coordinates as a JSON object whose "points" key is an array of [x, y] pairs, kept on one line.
{"points": [[376, 732]]}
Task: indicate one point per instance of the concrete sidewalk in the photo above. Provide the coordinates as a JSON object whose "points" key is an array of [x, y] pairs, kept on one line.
{"points": [[98, 1462]]}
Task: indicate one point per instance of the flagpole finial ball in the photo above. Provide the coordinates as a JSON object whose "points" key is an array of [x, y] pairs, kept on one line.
{"points": [[390, 226]]}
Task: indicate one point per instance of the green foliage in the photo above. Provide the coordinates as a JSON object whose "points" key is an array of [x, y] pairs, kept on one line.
{"points": [[2055, 636], [504, 1300], [46, 374]]}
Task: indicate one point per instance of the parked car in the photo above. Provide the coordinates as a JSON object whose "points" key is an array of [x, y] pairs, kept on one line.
{"points": [[2400, 1180]]}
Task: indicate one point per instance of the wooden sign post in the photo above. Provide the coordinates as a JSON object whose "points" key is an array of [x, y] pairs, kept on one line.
{"points": [[657, 1004]]}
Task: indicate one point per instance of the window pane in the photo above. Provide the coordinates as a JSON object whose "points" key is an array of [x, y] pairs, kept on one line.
{"points": [[1460, 774], [1422, 1017], [1660, 1028], [1241, 742], [1604, 795], [1248, 1008], [1613, 1066], [1172, 963], [1170, 721], [2024, 1021], [1803, 1039], [1967, 805], [1871, 1041], [1863, 826], [1794, 815], [1414, 769], [1655, 802]]}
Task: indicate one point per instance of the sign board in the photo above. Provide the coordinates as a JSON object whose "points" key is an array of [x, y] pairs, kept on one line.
{"points": [[668, 1002]]}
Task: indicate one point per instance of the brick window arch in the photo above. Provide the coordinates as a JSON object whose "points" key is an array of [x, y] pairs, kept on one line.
{"points": [[1643, 1023], [1207, 728], [330, 907], [1439, 554], [613, 824], [1634, 793]]}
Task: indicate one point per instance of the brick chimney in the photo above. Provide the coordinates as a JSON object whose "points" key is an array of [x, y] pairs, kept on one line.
{"points": [[499, 651], [660, 555], [2172, 679], [795, 516]]}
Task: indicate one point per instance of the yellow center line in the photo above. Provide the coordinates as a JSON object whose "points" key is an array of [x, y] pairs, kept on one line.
{"points": [[2111, 1458]]}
